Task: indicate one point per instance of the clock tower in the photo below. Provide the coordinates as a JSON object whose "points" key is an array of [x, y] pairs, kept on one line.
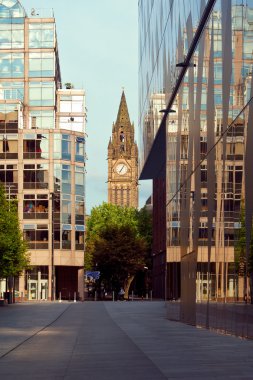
{"points": [[123, 160]]}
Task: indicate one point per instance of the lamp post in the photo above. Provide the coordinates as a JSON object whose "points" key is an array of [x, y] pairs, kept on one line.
{"points": [[52, 249]]}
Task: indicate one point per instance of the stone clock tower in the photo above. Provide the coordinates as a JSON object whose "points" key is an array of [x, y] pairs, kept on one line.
{"points": [[123, 160]]}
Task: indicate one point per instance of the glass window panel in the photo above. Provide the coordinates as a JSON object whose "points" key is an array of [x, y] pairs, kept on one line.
{"points": [[79, 240], [41, 119], [36, 176], [41, 35], [80, 149], [35, 146], [41, 93], [66, 239], [5, 39]]}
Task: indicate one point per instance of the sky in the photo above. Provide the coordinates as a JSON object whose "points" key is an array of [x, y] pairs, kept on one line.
{"points": [[98, 50]]}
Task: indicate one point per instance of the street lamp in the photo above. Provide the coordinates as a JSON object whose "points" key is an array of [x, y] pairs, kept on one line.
{"points": [[52, 249]]}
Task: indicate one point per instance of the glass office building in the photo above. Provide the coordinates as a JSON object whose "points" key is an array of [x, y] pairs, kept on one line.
{"points": [[195, 59], [42, 151]]}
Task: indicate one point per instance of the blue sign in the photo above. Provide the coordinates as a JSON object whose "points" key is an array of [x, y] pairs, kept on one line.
{"points": [[93, 274]]}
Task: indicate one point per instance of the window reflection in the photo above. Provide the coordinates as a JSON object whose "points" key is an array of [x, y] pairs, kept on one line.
{"points": [[62, 146], [12, 36], [8, 119], [35, 146], [41, 93], [11, 65], [8, 146], [80, 149], [79, 180], [41, 64], [41, 35], [41, 119]]}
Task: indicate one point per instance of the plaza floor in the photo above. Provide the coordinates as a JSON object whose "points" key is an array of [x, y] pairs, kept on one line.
{"points": [[111, 341]]}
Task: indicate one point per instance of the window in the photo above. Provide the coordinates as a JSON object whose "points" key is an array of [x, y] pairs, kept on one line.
{"points": [[79, 210], [35, 146], [41, 35], [41, 64], [12, 65], [36, 235], [79, 237], [9, 175], [80, 154], [79, 180], [8, 146], [36, 176], [8, 118], [66, 236], [41, 119], [35, 206], [41, 93], [66, 209], [12, 90], [11, 36], [62, 178], [62, 146]]}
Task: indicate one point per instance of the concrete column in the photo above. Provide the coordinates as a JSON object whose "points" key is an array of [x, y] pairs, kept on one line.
{"points": [[39, 285], [49, 281], [81, 283]]}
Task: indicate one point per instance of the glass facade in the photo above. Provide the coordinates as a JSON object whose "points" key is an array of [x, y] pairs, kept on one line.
{"points": [[42, 151], [196, 65]]}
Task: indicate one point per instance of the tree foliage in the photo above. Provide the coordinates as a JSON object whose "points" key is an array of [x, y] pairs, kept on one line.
{"points": [[119, 254], [240, 247], [118, 242], [13, 249]]}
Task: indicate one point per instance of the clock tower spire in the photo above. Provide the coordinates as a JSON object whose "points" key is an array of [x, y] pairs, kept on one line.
{"points": [[123, 160]]}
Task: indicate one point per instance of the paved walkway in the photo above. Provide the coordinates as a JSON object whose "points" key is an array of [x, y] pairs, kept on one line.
{"points": [[111, 341]]}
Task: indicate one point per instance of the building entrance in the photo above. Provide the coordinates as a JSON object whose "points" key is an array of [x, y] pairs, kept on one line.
{"points": [[37, 289]]}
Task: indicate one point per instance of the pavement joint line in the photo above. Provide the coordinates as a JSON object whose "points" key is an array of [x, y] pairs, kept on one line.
{"points": [[34, 334]]}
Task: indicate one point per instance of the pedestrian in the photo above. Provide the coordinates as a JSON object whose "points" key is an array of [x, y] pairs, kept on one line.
{"points": [[121, 294]]}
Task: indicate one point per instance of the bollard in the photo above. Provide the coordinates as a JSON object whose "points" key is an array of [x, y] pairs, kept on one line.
{"points": [[132, 295], [147, 296], [151, 295], [74, 296], [95, 298], [59, 296], [113, 296]]}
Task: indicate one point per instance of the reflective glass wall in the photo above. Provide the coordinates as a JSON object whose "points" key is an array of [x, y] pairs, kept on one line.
{"points": [[208, 141]]}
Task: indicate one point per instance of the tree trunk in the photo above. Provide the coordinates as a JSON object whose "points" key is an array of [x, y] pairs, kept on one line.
{"points": [[251, 287], [127, 285]]}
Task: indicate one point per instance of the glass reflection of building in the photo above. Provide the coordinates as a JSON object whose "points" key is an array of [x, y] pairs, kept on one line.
{"points": [[42, 151], [201, 152]]}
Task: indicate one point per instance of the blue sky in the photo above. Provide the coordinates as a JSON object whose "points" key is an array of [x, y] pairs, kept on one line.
{"points": [[98, 48]]}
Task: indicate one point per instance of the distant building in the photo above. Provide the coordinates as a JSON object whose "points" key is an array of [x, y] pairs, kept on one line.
{"points": [[42, 151], [123, 160]]}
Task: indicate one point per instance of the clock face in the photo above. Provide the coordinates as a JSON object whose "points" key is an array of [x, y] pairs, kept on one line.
{"points": [[121, 169]]}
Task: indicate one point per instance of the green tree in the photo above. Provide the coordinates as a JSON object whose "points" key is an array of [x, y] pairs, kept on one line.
{"points": [[119, 253], [137, 223], [13, 249], [244, 265]]}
